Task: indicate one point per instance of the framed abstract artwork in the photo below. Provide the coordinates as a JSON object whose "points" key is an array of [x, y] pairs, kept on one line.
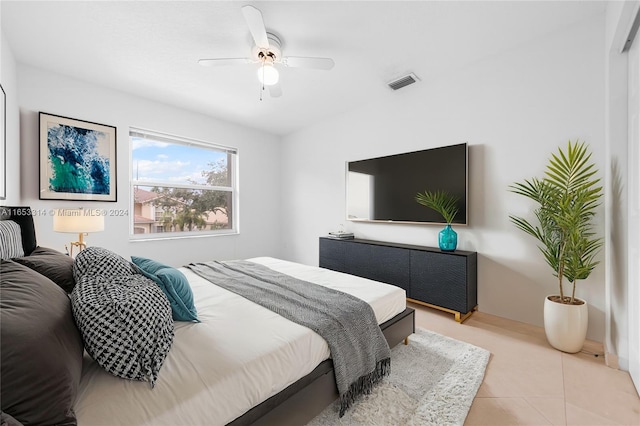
{"points": [[77, 159], [3, 144]]}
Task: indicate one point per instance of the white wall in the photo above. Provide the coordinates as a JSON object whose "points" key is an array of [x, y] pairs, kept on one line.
{"points": [[513, 109], [616, 340], [9, 81], [259, 164]]}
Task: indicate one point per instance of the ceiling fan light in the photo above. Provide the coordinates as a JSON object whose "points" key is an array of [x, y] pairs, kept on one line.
{"points": [[268, 74]]}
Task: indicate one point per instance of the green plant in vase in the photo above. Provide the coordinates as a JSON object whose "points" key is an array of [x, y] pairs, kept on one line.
{"points": [[447, 205], [566, 200]]}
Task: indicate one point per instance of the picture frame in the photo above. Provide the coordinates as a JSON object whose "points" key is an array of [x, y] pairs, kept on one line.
{"points": [[77, 159], [3, 144]]}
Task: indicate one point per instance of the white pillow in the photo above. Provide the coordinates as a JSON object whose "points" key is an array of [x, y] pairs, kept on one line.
{"points": [[10, 240]]}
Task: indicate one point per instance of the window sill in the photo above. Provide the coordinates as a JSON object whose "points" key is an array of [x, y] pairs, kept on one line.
{"points": [[179, 236]]}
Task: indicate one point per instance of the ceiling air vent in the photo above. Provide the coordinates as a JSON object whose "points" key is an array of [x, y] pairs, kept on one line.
{"points": [[403, 81]]}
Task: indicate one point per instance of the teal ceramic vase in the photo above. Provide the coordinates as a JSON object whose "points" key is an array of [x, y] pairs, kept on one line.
{"points": [[448, 239]]}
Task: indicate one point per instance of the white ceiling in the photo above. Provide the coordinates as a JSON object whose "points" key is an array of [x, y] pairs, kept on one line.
{"points": [[151, 48]]}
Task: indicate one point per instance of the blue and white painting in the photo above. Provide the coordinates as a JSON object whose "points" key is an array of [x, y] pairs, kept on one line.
{"points": [[79, 163], [77, 166]]}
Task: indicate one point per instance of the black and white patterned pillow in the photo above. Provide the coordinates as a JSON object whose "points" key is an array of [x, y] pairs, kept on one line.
{"points": [[124, 317], [10, 240], [100, 261]]}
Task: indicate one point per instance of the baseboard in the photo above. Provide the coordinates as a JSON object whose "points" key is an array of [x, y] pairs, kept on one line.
{"points": [[610, 359]]}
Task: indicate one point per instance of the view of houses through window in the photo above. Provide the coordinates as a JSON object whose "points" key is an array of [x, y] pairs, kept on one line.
{"points": [[181, 186]]}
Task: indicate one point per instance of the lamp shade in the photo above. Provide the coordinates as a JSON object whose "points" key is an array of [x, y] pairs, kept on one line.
{"points": [[268, 74], [77, 221]]}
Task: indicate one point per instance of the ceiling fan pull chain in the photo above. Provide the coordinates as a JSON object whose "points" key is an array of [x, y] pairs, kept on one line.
{"points": [[262, 83]]}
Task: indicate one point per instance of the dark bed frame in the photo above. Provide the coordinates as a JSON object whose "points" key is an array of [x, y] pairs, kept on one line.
{"points": [[298, 403]]}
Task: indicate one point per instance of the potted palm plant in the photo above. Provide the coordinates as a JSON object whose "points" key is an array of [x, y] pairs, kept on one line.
{"points": [[567, 197], [447, 205]]}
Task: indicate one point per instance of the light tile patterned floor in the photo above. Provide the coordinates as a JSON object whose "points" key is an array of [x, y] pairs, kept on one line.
{"points": [[529, 383]]}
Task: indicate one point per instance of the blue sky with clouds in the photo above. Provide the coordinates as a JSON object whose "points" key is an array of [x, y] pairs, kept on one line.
{"points": [[164, 162]]}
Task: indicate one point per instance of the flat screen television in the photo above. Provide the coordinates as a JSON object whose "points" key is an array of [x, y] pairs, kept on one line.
{"points": [[384, 189]]}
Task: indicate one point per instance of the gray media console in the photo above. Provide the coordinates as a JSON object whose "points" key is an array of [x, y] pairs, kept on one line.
{"points": [[431, 277]]}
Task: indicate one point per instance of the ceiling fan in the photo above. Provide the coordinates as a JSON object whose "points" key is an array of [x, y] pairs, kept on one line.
{"points": [[267, 53]]}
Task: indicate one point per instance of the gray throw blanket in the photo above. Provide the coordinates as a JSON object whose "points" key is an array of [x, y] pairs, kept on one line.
{"points": [[360, 353]]}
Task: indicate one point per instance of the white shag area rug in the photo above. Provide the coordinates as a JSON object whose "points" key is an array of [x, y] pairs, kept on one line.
{"points": [[433, 381]]}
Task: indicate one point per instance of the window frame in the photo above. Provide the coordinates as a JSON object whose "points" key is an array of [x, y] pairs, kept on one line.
{"points": [[232, 163]]}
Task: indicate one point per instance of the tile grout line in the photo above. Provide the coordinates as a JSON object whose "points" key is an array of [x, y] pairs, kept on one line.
{"points": [[564, 389], [526, 399]]}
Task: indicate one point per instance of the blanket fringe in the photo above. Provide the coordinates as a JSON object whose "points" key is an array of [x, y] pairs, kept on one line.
{"points": [[364, 385]]}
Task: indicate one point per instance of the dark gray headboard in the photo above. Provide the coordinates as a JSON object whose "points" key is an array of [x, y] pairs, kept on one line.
{"points": [[23, 217]]}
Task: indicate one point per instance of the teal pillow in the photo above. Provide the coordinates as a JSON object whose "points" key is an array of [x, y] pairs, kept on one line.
{"points": [[174, 285]]}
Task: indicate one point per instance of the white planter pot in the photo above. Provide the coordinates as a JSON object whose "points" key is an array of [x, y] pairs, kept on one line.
{"points": [[565, 325]]}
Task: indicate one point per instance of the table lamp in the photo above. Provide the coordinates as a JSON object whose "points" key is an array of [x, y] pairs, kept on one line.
{"points": [[77, 221]]}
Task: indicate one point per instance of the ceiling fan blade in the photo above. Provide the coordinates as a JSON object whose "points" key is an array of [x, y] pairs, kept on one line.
{"points": [[275, 90], [315, 63], [224, 62], [256, 26]]}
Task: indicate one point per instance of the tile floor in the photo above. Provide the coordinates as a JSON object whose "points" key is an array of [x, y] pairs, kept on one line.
{"points": [[528, 382]]}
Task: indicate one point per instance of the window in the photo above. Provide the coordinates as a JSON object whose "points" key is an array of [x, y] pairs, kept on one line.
{"points": [[181, 187]]}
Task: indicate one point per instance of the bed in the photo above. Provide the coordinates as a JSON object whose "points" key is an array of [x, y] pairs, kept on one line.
{"points": [[241, 364]]}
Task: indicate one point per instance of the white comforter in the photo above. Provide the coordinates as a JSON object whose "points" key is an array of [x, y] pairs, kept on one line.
{"points": [[238, 356]]}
